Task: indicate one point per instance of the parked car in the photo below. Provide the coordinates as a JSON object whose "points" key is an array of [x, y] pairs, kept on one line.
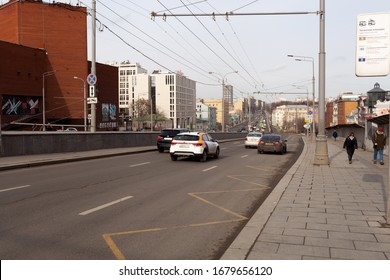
{"points": [[252, 139], [71, 129], [165, 137], [194, 144], [272, 143]]}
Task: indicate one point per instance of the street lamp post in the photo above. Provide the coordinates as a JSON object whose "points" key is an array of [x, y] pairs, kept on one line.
{"points": [[307, 108], [85, 101], [309, 59], [223, 97], [45, 74]]}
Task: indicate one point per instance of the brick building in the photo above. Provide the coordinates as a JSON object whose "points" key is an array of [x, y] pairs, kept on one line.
{"points": [[45, 47]]}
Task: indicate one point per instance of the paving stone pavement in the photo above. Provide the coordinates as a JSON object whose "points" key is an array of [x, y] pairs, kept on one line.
{"points": [[335, 211]]}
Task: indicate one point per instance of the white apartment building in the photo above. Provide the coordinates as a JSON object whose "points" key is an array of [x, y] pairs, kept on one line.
{"points": [[175, 98], [134, 84], [206, 117], [288, 114]]}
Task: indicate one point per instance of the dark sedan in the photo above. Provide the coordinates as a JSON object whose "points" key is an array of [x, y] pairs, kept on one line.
{"points": [[272, 143]]}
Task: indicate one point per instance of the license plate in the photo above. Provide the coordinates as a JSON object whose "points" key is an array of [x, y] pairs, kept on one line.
{"points": [[167, 138], [184, 146], [269, 144]]}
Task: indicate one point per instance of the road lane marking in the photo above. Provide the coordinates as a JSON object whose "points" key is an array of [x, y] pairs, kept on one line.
{"points": [[139, 164], [244, 156], [208, 169], [104, 206], [15, 188]]}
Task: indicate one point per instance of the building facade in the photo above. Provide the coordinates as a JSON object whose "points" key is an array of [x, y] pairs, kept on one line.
{"points": [[51, 74], [175, 98]]}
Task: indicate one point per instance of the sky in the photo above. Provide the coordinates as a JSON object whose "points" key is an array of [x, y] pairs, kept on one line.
{"points": [[254, 45]]}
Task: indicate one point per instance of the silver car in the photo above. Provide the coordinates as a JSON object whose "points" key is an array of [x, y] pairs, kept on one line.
{"points": [[252, 139]]}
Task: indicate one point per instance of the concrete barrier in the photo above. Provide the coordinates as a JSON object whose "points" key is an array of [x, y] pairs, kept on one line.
{"points": [[29, 143]]}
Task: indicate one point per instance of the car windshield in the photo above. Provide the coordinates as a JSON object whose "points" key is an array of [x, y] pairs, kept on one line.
{"points": [[186, 137], [271, 138]]}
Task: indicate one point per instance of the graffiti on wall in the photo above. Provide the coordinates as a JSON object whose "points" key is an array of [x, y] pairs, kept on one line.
{"points": [[108, 116], [20, 105]]}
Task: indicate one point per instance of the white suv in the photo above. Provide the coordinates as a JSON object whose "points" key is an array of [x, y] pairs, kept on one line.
{"points": [[194, 144]]}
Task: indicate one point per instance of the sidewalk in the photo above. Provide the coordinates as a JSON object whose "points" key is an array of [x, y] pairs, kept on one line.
{"points": [[321, 212], [44, 159]]}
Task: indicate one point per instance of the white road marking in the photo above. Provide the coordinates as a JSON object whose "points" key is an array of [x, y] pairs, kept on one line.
{"points": [[224, 148], [15, 188], [104, 206], [208, 169], [139, 164], [244, 156]]}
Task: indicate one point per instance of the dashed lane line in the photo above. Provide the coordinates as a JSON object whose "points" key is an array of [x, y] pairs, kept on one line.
{"points": [[208, 169], [104, 206], [15, 188], [139, 164]]}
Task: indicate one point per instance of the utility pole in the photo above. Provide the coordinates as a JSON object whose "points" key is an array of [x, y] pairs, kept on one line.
{"points": [[321, 154], [93, 63]]}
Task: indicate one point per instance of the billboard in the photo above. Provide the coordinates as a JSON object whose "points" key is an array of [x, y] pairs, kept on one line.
{"points": [[373, 45]]}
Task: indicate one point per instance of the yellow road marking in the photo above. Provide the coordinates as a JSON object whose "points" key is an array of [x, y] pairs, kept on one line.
{"points": [[246, 181], [120, 256], [219, 207]]}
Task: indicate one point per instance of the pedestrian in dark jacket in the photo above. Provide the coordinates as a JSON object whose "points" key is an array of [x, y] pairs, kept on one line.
{"points": [[379, 141], [334, 134], [350, 144]]}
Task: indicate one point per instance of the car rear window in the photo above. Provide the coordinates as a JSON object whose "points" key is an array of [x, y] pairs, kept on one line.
{"points": [[171, 132], [186, 137], [270, 138], [254, 135]]}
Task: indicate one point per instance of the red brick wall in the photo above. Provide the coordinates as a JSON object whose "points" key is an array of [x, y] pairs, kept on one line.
{"points": [[62, 31], [21, 71], [9, 22]]}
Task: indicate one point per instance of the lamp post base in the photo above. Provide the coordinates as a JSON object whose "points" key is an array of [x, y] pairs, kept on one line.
{"points": [[321, 156]]}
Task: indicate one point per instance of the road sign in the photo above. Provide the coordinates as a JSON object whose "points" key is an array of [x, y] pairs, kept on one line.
{"points": [[92, 100], [91, 91], [91, 79], [310, 112], [373, 45]]}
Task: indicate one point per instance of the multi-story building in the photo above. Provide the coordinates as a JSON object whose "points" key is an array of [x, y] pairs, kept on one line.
{"points": [[289, 117], [228, 96], [59, 39], [134, 84], [206, 117], [175, 98], [217, 103]]}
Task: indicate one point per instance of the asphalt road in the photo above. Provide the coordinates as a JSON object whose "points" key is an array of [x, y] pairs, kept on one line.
{"points": [[141, 206]]}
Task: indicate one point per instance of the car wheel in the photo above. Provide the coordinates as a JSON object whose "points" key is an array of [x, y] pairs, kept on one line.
{"points": [[203, 158], [174, 158], [160, 150], [216, 153]]}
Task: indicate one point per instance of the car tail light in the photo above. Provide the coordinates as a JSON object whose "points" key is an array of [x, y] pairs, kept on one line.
{"points": [[246, 138], [159, 138], [197, 144], [173, 143], [278, 144], [261, 142]]}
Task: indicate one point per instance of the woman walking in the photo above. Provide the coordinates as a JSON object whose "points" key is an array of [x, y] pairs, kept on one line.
{"points": [[350, 144]]}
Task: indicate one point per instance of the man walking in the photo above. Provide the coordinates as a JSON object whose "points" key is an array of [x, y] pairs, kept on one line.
{"points": [[379, 141]]}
